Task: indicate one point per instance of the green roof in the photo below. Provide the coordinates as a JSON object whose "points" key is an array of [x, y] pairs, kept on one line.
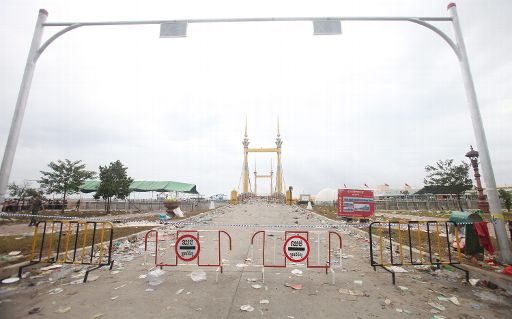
{"points": [[146, 186]]}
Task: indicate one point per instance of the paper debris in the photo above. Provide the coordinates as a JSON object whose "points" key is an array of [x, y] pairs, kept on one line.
{"points": [[96, 316], [358, 282], [14, 253], [256, 286], [247, 308], [473, 282], [63, 310], [264, 301], [114, 298], [179, 291], [10, 280], [55, 291]]}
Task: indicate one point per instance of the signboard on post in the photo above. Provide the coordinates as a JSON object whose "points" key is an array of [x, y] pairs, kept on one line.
{"points": [[296, 248], [187, 247], [355, 203]]}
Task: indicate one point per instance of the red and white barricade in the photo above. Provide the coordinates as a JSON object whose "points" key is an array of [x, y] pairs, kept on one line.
{"points": [[185, 248], [297, 248]]}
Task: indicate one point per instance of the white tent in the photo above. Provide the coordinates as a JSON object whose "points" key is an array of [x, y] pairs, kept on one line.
{"points": [[326, 195]]}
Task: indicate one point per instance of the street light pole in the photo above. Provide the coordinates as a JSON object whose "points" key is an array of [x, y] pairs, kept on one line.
{"points": [[21, 103], [481, 141]]}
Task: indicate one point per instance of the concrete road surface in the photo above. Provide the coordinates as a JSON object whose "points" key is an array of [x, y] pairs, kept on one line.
{"points": [[355, 291]]}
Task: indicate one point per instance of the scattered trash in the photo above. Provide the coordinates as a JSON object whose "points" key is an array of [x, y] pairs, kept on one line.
{"points": [[114, 272], [198, 275], [149, 289], [296, 286], [352, 292], [403, 288], [96, 316], [10, 280], [473, 282], [475, 306], [296, 272], [241, 265], [436, 305], [387, 302], [63, 310], [256, 286], [51, 267], [34, 311], [264, 301], [397, 269], [14, 253], [438, 317], [358, 282], [454, 300], [55, 291], [156, 277], [179, 291], [252, 279], [114, 298], [399, 310], [247, 308], [119, 287]]}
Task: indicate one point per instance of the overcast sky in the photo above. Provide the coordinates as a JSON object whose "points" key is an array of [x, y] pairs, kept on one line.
{"points": [[374, 105]]}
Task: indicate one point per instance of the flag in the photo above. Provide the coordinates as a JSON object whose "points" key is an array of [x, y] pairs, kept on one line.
{"points": [[366, 185], [344, 185], [407, 185], [386, 184]]}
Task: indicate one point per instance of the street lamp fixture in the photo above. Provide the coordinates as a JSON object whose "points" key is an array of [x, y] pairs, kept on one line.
{"points": [[483, 205]]}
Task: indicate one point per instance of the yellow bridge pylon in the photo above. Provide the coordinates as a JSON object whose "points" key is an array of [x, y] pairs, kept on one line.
{"points": [[277, 150]]}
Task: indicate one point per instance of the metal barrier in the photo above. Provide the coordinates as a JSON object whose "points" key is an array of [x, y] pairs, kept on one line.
{"points": [[296, 249], [71, 250], [424, 245], [187, 248]]}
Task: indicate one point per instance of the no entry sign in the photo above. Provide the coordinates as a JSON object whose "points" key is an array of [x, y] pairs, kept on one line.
{"points": [[187, 247], [296, 248]]}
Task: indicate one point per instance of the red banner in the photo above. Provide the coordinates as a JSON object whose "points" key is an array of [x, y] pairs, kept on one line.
{"points": [[355, 202]]}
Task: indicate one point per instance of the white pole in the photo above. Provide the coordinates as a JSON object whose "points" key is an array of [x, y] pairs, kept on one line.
{"points": [[481, 142], [21, 103]]}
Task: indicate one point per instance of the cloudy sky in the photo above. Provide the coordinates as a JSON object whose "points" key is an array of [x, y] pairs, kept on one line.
{"points": [[374, 105]]}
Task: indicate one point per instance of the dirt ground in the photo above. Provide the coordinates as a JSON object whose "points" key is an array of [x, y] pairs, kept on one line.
{"points": [[353, 290]]}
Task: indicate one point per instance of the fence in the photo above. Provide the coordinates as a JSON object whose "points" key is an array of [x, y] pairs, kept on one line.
{"points": [[418, 236], [296, 248], [187, 248], [78, 246]]}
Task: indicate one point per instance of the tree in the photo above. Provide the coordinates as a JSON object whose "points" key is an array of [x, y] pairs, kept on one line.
{"points": [[506, 197], [114, 182], [454, 178], [20, 192], [65, 177]]}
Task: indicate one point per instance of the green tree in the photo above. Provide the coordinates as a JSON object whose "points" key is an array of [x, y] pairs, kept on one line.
{"points": [[114, 182], [20, 192], [506, 197], [65, 177], [453, 178]]}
